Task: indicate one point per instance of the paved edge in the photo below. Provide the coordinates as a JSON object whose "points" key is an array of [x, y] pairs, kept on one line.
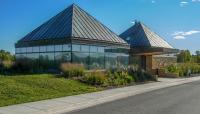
{"points": [[78, 102]]}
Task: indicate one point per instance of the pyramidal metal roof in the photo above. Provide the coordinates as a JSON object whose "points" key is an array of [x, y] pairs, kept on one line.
{"points": [[73, 22], [140, 35]]}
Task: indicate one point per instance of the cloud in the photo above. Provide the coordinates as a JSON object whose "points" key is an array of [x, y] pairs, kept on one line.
{"points": [[195, 0], [183, 35], [179, 37], [183, 3], [153, 1]]}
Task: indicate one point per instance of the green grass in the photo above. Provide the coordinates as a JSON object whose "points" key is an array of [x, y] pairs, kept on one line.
{"points": [[28, 88]]}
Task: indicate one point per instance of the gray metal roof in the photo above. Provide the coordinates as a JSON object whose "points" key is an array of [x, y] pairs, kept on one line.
{"points": [[73, 22], [140, 35]]}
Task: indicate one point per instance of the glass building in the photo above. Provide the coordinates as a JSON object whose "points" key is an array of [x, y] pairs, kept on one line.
{"points": [[73, 36]]}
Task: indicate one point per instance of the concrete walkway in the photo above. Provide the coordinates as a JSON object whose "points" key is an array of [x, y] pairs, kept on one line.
{"points": [[67, 104]]}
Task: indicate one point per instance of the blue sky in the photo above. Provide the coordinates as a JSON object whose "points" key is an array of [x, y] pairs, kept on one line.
{"points": [[178, 21]]}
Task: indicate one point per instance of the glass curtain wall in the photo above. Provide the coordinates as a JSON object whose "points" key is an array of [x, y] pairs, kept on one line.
{"points": [[93, 57], [99, 57], [47, 56]]}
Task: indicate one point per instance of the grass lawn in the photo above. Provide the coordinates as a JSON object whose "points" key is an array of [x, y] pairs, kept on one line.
{"points": [[27, 88]]}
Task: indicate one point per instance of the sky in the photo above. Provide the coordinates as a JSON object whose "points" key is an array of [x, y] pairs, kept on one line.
{"points": [[177, 21]]}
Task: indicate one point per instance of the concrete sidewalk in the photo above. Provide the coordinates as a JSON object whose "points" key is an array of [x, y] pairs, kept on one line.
{"points": [[67, 104]]}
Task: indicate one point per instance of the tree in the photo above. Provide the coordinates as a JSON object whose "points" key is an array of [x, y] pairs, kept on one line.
{"points": [[198, 52], [6, 61], [184, 56], [198, 56]]}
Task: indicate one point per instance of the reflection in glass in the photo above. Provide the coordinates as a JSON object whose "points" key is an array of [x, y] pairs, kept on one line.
{"points": [[23, 50], [42, 48], [29, 49], [66, 47], [36, 49], [81, 58], [97, 60], [58, 47], [101, 49], [50, 48], [85, 48], [93, 49], [76, 47]]}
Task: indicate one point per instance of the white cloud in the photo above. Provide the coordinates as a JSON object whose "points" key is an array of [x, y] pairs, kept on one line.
{"points": [[153, 1], [179, 37], [182, 35], [133, 22], [183, 3], [195, 0]]}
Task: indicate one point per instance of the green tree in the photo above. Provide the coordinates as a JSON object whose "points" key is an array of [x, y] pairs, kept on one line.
{"points": [[184, 56], [198, 56], [6, 60]]}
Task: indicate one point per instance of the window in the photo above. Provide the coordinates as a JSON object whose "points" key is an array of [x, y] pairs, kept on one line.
{"points": [[93, 49], [23, 50], [66, 56], [50, 48], [36, 49], [97, 60], [29, 49], [85, 48], [58, 58], [58, 47], [76, 47], [17, 50], [101, 49], [42, 48], [66, 47], [81, 58]]}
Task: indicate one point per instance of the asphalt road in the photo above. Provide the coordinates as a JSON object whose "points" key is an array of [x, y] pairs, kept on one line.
{"points": [[182, 99]]}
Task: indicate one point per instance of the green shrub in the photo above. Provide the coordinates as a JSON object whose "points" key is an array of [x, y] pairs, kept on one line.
{"points": [[72, 70], [95, 78], [119, 77]]}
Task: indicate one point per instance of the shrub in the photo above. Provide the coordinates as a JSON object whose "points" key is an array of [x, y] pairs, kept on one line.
{"points": [[70, 70], [119, 77], [95, 78], [184, 69]]}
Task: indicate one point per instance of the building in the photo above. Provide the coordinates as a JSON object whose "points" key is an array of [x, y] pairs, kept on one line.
{"points": [[74, 36], [147, 49]]}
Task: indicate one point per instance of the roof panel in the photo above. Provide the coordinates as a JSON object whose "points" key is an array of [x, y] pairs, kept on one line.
{"points": [[140, 35], [73, 22]]}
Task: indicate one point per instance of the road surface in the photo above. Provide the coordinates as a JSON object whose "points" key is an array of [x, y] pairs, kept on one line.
{"points": [[182, 99]]}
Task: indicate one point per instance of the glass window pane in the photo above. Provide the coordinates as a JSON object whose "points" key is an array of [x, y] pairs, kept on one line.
{"points": [[50, 48], [84, 48], [93, 49], [81, 58], [36, 49], [23, 50], [47, 61], [42, 48], [66, 56], [17, 50], [66, 47], [20, 56], [76, 47], [58, 47], [29, 49], [97, 60], [101, 49]]}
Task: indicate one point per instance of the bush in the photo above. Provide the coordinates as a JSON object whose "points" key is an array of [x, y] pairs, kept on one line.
{"points": [[184, 69], [70, 70], [95, 78], [119, 77]]}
